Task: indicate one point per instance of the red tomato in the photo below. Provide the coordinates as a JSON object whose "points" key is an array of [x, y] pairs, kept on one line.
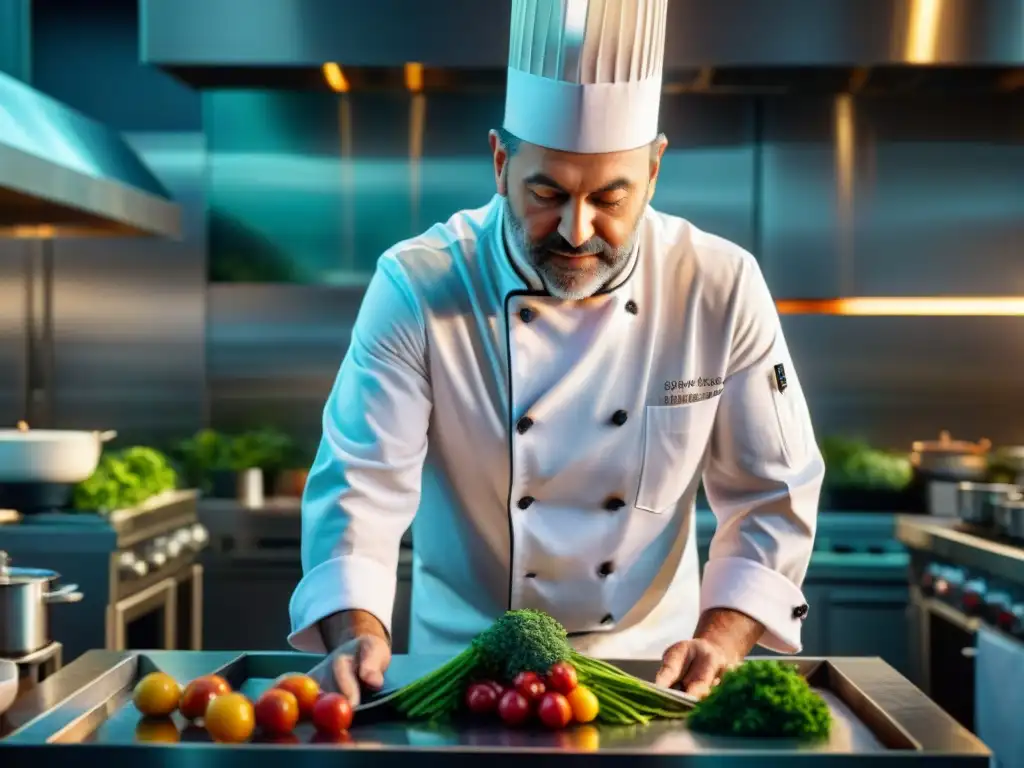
{"points": [[277, 712], [332, 714], [498, 688], [554, 710], [513, 708], [529, 685], [481, 698], [562, 678]]}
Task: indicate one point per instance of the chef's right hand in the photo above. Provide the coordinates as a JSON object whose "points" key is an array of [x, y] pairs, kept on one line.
{"points": [[361, 660]]}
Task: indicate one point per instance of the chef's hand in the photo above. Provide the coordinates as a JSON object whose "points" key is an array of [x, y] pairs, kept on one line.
{"points": [[721, 641], [362, 660], [695, 665], [361, 654]]}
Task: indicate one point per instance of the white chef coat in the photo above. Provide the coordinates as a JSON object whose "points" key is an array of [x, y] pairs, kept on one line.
{"points": [[547, 453]]}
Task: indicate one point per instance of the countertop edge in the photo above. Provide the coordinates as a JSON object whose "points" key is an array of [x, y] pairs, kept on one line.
{"points": [[909, 708]]}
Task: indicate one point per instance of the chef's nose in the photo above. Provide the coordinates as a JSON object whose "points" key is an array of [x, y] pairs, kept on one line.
{"points": [[577, 225]]}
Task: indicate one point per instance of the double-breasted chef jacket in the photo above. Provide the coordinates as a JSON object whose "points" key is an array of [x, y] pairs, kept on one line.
{"points": [[547, 453]]}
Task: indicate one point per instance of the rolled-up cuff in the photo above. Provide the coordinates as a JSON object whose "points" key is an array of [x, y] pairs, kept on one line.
{"points": [[762, 594], [343, 583]]}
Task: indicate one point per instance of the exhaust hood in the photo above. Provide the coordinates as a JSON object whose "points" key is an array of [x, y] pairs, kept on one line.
{"points": [[65, 175], [711, 46]]}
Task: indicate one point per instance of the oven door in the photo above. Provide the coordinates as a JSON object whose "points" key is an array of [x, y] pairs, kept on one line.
{"points": [[165, 615]]}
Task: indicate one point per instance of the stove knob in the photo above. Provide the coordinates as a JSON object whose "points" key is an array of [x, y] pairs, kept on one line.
{"points": [[130, 565], [157, 558], [173, 548], [995, 603], [1011, 620], [184, 536], [928, 579], [200, 536], [972, 597]]}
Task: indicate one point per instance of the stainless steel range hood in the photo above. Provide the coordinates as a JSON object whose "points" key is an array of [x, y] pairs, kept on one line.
{"points": [[65, 175], [732, 46]]}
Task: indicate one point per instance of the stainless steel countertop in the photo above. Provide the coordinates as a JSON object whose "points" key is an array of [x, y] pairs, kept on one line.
{"points": [[45, 724], [959, 544]]}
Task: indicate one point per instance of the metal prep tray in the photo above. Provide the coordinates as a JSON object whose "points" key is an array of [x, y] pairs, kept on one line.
{"points": [[97, 721]]}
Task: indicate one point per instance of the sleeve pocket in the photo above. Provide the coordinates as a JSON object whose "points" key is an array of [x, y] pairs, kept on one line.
{"points": [[790, 414], [675, 439]]}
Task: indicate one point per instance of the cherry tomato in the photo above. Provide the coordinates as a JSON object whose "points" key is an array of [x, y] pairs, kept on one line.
{"points": [[332, 714], [584, 704], [481, 698], [498, 688], [554, 711], [562, 678], [529, 685], [513, 708]]}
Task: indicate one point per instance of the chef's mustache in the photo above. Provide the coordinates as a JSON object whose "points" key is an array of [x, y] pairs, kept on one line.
{"points": [[555, 242]]}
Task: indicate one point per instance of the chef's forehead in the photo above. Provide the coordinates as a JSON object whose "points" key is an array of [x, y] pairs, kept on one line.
{"points": [[579, 172]]}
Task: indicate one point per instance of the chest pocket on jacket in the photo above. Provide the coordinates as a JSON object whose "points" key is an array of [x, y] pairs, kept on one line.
{"points": [[675, 438]]}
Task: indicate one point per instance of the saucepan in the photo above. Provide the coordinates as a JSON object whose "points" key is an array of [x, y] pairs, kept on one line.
{"points": [[1009, 517], [26, 595], [49, 455], [976, 501]]}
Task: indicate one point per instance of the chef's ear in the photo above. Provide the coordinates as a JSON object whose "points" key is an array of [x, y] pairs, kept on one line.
{"points": [[657, 152], [500, 153]]}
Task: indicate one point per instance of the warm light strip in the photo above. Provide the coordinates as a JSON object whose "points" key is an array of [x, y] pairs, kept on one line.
{"points": [[414, 77], [995, 306], [335, 77], [923, 31]]}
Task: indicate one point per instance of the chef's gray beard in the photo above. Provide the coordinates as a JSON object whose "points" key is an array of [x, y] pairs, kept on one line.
{"points": [[574, 283]]}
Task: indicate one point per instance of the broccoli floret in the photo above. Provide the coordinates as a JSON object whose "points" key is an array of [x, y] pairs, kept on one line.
{"points": [[763, 698], [522, 641]]}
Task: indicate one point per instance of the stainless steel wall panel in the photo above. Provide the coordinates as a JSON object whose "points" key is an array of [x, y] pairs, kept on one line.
{"points": [[274, 351], [897, 379], [129, 315], [13, 340], [885, 197], [708, 171]]}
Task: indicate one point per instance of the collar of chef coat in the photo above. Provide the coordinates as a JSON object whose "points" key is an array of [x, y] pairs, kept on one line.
{"points": [[506, 245]]}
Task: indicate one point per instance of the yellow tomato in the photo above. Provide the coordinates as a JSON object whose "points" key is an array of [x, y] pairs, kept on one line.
{"points": [[230, 718], [157, 694], [583, 703]]}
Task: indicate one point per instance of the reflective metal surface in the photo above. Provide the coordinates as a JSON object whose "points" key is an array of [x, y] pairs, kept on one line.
{"points": [[130, 315], [217, 42], [63, 174], [14, 259], [948, 540], [904, 196], [84, 710]]}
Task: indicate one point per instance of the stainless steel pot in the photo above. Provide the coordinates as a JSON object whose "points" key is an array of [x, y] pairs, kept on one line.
{"points": [[1009, 517], [25, 600], [951, 459], [976, 501]]}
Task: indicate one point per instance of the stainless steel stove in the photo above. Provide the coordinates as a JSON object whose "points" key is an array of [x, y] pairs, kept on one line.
{"points": [[967, 619], [138, 569]]}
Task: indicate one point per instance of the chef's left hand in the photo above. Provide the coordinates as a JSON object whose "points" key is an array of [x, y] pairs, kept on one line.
{"points": [[695, 665], [721, 641]]}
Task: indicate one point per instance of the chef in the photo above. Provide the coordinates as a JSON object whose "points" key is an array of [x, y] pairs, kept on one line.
{"points": [[539, 385]]}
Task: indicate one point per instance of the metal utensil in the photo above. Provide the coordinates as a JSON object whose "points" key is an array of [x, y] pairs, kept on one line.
{"points": [[1009, 517], [25, 598], [976, 501]]}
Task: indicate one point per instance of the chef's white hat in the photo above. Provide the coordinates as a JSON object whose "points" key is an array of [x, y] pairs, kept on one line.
{"points": [[585, 75]]}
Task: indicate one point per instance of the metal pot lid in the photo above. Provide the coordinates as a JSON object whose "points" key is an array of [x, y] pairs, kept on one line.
{"points": [[947, 445], [9, 575]]}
